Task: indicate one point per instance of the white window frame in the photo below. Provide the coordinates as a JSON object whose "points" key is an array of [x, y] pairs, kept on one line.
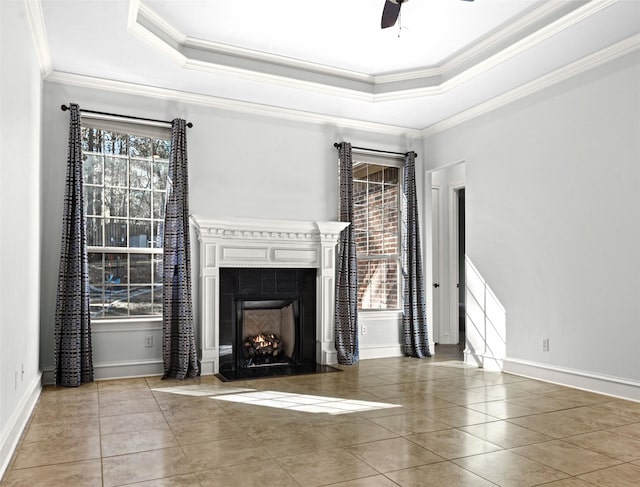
{"points": [[157, 131]]}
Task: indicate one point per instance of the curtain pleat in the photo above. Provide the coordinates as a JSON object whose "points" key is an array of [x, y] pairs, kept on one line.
{"points": [[72, 334], [414, 318], [178, 344], [346, 317]]}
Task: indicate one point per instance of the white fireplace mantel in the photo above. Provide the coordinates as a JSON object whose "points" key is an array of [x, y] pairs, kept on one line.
{"points": [[244, 242]]}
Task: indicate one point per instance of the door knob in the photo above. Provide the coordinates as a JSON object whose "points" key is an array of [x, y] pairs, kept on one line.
{"points": [[436, 285]]}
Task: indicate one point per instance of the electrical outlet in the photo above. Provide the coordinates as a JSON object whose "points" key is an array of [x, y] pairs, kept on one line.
{"points": [[148, 341], [545, 344], [364, 329]]}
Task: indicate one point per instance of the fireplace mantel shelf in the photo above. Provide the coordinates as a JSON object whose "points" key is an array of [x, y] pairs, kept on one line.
{"points": [[245, 242]]}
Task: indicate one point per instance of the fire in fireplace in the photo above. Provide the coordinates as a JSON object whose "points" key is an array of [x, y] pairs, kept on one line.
{"points": [[269, 330]]}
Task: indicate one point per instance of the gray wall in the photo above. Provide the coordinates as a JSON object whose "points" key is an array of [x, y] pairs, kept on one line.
{"points": [[21, 106], [239, 165], [553, 207]]}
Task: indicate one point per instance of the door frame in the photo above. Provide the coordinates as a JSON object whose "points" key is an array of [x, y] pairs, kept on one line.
{"points": [[454, 261]]}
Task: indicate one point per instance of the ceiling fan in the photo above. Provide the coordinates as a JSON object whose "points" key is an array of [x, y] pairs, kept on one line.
{"points": [[391, 11]]}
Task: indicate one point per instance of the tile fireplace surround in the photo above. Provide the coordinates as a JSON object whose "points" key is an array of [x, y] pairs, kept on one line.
{"points": [[246, 243]]}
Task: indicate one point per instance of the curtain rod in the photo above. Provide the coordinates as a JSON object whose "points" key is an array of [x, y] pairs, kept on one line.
{"points": [[64, 108], [337, 145]]}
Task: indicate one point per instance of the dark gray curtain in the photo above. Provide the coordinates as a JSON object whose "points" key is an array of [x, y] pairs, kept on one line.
{"points": [[72, 348], [346, 320], [178, 344], [414, 318]]}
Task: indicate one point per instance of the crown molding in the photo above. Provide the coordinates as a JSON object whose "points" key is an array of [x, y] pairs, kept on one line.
{"points": [[227, 104], [619, 49], [35, 18], [511, 40]]}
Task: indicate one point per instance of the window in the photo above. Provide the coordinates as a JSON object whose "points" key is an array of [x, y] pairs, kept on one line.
{"points": [[124, 177], [376, 215]]}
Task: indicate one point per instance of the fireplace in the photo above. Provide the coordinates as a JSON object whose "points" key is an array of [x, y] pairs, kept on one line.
{"points": [[267, 318], [267, 264]]}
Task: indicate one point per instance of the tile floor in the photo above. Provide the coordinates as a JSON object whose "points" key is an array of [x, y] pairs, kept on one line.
{"points": [[382, 423]]}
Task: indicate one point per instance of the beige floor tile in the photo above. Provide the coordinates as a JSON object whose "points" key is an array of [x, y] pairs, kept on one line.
{"points": [[143, 466], [49, 452], [545, 404], [53, 413], [571, 422], [61, 430], [507, 469], [459, 416], [375, 481], [538, 387], [325, 467], [505, 434], [566, 457], [293, 443], [137, 441], [115, 395], [438, 475], [122, 384], [132, 422], [621, 407], [410, 424], [503, 409], [571, 482], [609, 443], [583, 397], [461, 397], [630, 430], [189, 480], [84, 474], [354, 432], [189, 414], [393, 454], [223, 453], [255, 474], [453, 443], [128, 407], [626, 475], [205, 431]]}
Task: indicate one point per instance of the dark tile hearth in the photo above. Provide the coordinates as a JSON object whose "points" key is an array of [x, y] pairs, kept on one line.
{"points": [[274, 371]]}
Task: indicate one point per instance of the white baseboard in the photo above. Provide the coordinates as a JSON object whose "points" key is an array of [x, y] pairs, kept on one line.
{"points": [[115, 370], [18, 421], [487, 362], [588, 381], [380, 352]]}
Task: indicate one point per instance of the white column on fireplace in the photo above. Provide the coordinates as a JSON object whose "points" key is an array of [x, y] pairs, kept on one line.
{"points": [[243, 242]]}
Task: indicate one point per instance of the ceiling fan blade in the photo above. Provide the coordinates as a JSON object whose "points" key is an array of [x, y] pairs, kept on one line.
{"points": [[390, 14]]}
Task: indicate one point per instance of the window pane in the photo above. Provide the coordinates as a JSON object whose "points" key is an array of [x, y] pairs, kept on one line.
{"points": [[160, 171], [95, 267], [157, 268], [115, 171], [392, 287], [161, 149], [158, 228], [391, 175], [96, 301], [361, 242], [115, 232], [140, 173], [115, 268], [115, 202], [140, 300], [158, 204], [140, 204], [93, 200], [390, 243], [91, 139], [140, 268], [92, 169], [139, 146], [115, 301], [115, 143], [157, 299], [95, 232], [140, 233]]}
